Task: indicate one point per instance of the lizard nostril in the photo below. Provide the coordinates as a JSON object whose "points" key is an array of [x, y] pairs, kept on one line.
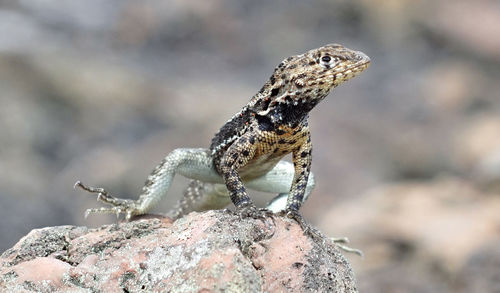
{"points": [[362, 56]]}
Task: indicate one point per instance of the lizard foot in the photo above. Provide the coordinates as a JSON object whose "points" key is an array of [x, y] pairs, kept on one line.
{"points": [[316, 235], [340, 242], [118, 205], [251, 211]]}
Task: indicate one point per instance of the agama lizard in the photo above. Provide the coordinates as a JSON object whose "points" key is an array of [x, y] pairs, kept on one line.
{"points": [[247, 150]]}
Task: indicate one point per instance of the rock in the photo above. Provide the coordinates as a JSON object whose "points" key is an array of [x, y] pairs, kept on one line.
{"points": [[211, 251], [477, 150], [481, 274], [422, 236], [448, 20]]}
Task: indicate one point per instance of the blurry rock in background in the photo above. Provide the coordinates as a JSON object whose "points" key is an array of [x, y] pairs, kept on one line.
{"points": [[406, 156], [440, 227]]}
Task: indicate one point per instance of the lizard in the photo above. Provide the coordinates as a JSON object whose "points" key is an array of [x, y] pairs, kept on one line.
{"points": [[247, 150]]}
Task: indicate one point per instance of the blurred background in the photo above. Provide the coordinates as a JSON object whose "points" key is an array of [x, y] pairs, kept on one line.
{"points": [[406, 156]]}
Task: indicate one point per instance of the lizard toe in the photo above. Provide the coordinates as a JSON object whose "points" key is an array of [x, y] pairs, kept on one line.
{"points": [[251, 211]]}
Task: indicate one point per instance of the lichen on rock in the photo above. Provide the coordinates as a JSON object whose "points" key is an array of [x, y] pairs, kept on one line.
{"points": [[214, 251]]}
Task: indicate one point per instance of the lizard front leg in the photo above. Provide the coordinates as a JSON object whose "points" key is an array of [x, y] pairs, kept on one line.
{"points": [[302, 164], [202, 196], [301, 158], [236, 157], [191, 163]]}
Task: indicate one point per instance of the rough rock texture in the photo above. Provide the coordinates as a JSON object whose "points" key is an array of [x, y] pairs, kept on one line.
{"points": [[212, 251]]}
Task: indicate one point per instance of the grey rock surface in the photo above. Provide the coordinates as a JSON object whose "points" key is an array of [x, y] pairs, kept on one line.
{"points": [[213, 251]]}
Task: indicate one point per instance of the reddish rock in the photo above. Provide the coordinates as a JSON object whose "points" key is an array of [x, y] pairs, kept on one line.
{"points": [[210, 252]]}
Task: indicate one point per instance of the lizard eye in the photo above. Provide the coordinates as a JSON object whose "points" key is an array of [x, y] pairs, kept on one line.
{"points": [[327, 61]]}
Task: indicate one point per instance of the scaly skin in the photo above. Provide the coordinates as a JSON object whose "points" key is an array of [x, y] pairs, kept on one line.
{"points": [[248, 149], [274, 122]]}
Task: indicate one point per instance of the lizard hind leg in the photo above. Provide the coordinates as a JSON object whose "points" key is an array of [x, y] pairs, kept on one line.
{"points": [[191, 163], [201, 196], [118, 205]]}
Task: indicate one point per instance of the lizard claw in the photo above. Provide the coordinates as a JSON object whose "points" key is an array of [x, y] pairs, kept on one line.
{"points": [[251, 211], [118, 205], [295, 215], [347, 248], [340, 239]]}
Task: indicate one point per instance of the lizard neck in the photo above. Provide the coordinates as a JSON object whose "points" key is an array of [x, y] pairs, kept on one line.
{"points": [[290, 109], [292, 112]]}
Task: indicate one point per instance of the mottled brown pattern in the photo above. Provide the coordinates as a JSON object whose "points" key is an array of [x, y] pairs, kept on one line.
{"points": [[274, 122], [251, 144]]}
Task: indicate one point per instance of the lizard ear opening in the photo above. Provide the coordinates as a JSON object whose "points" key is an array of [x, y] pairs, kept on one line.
{"points": [[264, 106], [274, 92]]}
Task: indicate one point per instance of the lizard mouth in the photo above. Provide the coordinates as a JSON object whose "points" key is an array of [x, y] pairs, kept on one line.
{"points": [[356, 68], [363, 56], [362, 64]]}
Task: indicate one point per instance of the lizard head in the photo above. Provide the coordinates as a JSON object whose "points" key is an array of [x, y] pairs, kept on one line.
{"points": [[304, 80], [324, 68]]}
